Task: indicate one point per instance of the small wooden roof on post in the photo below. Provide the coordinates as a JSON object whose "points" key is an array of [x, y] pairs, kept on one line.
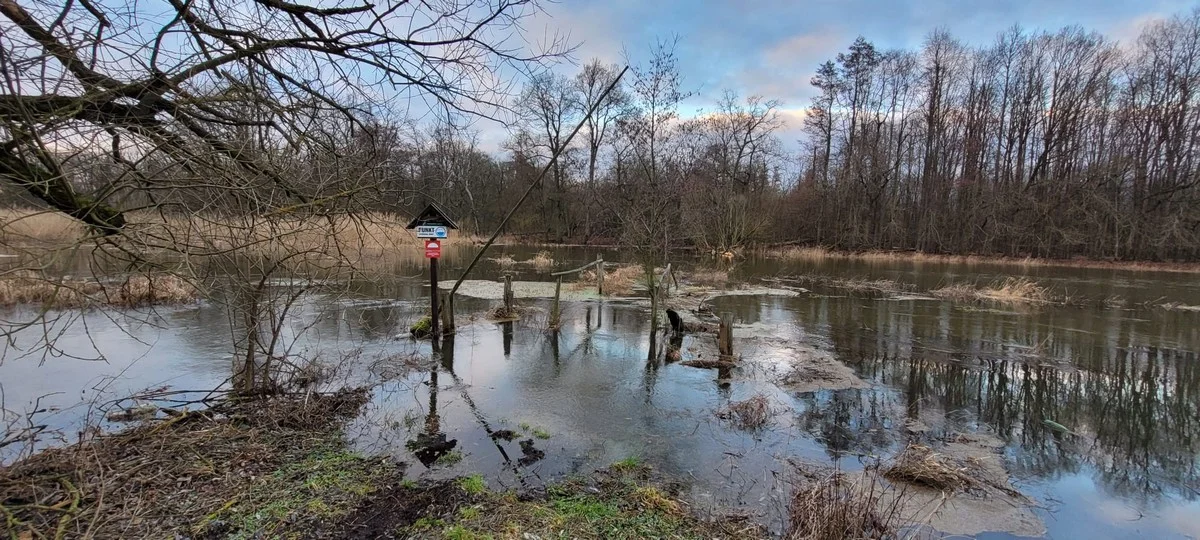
{"points": [[433, 214]]}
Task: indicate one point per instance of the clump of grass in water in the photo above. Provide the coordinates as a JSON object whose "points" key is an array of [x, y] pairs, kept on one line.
{"points": [[504, 261], [540, 433], [919, 465], [712, 277], [544, 260], [843, 506], [450, 458], [750, 414], [1011, 290]]}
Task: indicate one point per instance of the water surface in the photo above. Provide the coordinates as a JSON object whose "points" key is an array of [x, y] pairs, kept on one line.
{"points": [[1124, 378]]}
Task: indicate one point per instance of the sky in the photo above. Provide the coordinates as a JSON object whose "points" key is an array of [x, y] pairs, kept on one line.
{"points": [[772, 47]]}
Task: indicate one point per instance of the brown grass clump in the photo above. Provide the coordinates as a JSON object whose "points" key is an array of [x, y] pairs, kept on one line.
{"points": [[1011, 290], [711, 277], [841, 506], [544, 260], [849, 284], [621, 280], [135, 291], [751, 414], [504, 261], [920, 465]]}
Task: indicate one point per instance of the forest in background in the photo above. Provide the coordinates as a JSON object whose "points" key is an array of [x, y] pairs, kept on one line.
{"points": [[1046, 144]]}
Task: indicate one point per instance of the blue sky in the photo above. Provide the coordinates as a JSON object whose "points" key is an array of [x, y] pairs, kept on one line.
{"points": [[771, 47]]}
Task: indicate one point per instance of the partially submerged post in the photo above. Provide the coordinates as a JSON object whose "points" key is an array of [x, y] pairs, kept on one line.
{"points": [[599, 276], [434, 226], [555, 314], [725, 337], [447, 307], [508, 296]]}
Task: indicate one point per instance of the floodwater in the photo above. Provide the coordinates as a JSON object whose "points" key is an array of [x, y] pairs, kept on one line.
{"points": [[1123, 376]]}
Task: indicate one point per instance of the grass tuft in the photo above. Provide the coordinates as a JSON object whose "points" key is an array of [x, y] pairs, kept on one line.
{"points": [[472, 484], [750, 414], [919, 465], [841, 506]]}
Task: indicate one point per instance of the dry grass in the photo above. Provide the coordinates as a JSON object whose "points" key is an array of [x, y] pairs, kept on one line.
{"points": [[617, 282], [621, 280], [135, 291], [709, 277], [750, 414], [840, 506], [19, 226], [920, 465], [504, 261], [848, 284], [239, 469], [1011, 290], [801, 253], [368, 233], [544, 260]]}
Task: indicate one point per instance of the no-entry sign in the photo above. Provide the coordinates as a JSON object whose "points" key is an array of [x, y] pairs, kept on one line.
{"points": [[433, 249]]}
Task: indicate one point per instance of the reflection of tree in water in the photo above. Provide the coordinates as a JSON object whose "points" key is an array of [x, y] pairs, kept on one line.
{"points": [[1134, 406], [849, 422]]}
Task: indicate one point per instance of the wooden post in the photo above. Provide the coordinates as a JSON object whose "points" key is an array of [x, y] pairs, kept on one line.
{"points": [[447, 313], [508, 294], [599, 276], [555, 314], [433, 300], [725, 337], [653, 309]]}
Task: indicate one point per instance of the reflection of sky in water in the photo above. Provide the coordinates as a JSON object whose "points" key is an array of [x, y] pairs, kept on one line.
{"points": [[1127, 380]]}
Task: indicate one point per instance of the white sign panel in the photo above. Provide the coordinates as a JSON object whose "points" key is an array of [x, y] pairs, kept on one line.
{"points": [[431, 231]]}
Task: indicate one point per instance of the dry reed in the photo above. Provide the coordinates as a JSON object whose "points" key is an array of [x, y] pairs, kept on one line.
{"points": [[544, 260], [619, 281], [920, 465], [710, 277], [135, 291], [1011, 290], [802, 253], [841, 506], [750, 414], [504, 261]]}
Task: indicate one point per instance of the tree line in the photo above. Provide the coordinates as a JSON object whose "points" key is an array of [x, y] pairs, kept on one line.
{"points": [[1045, 144], [1051, 144]]}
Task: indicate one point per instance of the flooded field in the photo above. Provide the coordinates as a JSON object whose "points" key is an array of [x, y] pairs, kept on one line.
{"points": [[1116, 366]]}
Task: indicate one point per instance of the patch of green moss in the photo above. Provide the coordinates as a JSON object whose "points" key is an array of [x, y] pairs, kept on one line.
{"points": [[541, 433], [422, 327]]}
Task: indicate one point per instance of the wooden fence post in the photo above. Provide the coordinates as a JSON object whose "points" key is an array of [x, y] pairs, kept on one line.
{"points": [[447, 308], [599, 276], [653, 308], [508, 295], [555, 314], [725, 337]]}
